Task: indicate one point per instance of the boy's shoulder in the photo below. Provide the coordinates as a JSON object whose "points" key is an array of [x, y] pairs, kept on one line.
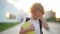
{"points": [[27, 19]]}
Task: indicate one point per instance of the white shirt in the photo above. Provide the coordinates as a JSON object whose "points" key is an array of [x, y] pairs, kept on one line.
{"points": [[35, 24]]}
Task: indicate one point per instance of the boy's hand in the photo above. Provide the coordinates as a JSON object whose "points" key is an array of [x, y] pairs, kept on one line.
{"points": [[40, 15], [23, 31], [31, 27]]}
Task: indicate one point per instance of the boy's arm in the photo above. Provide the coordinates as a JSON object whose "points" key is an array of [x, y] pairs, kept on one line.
{"points": [[44, 23]]}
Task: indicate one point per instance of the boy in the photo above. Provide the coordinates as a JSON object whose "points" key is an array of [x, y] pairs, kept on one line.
{"points": [[37, 12]]}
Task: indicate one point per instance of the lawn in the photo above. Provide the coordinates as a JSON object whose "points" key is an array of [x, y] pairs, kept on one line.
{"points": [[4, 26]]}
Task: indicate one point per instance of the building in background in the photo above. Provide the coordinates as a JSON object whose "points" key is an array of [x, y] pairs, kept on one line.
{"points": [[50, 15], [8, 13]]}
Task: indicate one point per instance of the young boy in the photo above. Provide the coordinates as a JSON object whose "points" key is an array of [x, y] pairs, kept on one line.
{"points": [[37, 12]]}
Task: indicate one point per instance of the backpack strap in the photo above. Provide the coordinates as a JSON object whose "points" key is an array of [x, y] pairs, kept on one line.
{"points": [[27, 19], [40, 23]]}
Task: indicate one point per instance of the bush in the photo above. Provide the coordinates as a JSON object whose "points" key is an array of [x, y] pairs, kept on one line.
{"points": [[4, 26], [51, 19]]}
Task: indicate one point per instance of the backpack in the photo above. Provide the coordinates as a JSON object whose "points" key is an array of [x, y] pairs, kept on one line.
{"points": [[40, 23]]}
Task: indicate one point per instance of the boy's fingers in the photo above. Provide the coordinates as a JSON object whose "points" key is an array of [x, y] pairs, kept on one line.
{"points": [[31, 24], [22, 28]]}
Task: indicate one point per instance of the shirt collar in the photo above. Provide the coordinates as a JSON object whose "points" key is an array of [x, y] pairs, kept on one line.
{"points": [[34, 19]]}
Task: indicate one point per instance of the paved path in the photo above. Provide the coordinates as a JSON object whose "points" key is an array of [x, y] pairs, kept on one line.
{"points": [[55, 28]]}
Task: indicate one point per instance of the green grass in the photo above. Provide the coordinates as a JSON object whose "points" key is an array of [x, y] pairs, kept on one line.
{"points": [[4, 26]]}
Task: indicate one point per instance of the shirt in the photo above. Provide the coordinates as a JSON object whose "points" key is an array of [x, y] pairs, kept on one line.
{"points": [[36, 25]]}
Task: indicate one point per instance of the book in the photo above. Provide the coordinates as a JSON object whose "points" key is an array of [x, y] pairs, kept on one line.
{"points": [[26, 25]]}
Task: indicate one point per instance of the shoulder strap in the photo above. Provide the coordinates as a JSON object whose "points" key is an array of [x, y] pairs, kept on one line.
{"points": [[27, 19], [40, 23]]}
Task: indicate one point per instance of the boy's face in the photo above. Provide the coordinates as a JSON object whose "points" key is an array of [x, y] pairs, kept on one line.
{"points": [[36, 13]]}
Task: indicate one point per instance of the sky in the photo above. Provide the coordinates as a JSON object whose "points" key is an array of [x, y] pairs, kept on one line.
{"points": [[26, 4]]}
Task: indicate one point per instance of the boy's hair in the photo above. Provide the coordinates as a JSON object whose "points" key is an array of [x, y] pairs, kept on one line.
{"points": [[37, 6]]}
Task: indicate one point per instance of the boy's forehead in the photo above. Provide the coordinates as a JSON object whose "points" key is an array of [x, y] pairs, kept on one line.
{"points": [[35, 10]]}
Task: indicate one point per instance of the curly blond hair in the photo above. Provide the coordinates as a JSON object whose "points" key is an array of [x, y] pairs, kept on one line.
{"points": [[37, 6]]}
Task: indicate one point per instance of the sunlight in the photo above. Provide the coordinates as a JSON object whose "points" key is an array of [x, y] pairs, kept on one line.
{"points": [[7, 15], [26, 4], [10, 1]]}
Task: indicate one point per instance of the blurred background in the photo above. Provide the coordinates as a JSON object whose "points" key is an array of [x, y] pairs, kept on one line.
{"points": [[12, 13]]}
